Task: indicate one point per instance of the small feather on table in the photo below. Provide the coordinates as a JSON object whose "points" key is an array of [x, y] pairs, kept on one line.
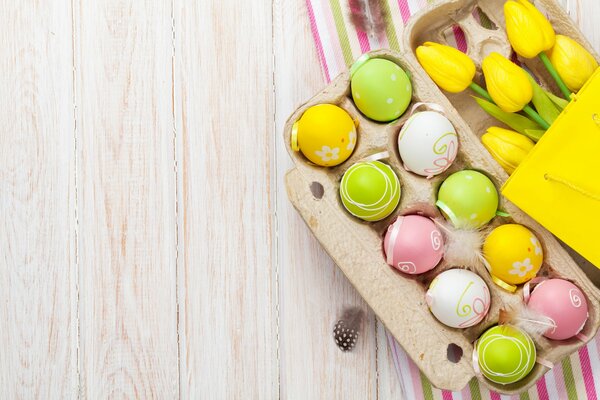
{"points": [[367, 16]]}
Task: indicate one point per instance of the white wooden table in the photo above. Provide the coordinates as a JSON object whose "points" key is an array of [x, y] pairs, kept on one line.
{"points": [[147, 246]]}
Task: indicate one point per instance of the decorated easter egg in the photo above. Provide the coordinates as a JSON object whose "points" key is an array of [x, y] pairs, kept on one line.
{"points": [[564, 304], [505, 354], [514, 255], [427, 143], [325, 134], [468, 199], [458, 298], [370, 190], [380, 88], [413, 244]]}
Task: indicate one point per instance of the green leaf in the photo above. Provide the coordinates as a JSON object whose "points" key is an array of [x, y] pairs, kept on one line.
{"points": [[517, 122], [544, 106], [534, 134], [558, 101]]}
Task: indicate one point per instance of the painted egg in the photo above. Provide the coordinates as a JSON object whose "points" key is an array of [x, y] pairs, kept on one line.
{"points": [[325, 134], [563, 303], [370, 190], [468, 199], [413, 244], [505, 354], [380, 88], [427, 143], [514, 254], [458, 298]]}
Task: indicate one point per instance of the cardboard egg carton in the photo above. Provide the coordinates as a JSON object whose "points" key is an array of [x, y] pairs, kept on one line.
{"points": [[356, 246]]}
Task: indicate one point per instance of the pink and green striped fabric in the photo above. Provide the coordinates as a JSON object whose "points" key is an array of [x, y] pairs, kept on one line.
{"points": [[338, 44]]}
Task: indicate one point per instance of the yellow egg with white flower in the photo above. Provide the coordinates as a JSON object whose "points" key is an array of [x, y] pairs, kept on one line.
{"points": [[325, 134], [514, 255]]}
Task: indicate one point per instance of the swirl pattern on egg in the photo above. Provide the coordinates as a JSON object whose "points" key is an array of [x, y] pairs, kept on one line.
{"points": [[458, 298], [413, 244]]}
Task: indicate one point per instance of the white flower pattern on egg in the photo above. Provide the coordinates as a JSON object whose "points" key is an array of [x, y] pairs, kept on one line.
{"points": [[351, 140], [537, 246], [327, 154], [521, 268]]}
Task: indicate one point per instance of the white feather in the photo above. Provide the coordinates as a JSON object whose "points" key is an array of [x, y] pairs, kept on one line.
{"points": [[532, 322], [462, 247]]}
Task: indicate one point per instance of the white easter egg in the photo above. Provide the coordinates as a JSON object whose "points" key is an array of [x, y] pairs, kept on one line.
{"points": [[427, 143], [458, 298]]}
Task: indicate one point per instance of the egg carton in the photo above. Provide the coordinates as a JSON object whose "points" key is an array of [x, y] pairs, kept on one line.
{"points": [[356, 246]]}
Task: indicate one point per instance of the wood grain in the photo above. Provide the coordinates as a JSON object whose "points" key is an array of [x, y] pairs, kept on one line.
{"points": [[148, 247], [126, 199], [38, 300], [585, 14], [313, 291], [225, 143]]}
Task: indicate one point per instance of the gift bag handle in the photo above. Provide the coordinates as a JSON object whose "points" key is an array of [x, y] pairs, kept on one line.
{"points": [[558, 179]]}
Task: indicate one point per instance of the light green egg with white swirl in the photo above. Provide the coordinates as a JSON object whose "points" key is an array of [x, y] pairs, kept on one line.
{"points": [[505, 354], [370, 190]]}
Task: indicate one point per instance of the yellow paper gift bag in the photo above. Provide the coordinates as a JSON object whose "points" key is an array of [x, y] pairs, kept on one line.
{"points": [[558, 184]]}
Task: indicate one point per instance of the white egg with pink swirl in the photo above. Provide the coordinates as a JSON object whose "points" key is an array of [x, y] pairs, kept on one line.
{"points": [[458, 298]]}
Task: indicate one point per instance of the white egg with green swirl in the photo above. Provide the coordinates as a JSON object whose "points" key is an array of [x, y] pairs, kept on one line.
{"points": [[428, 143], [370, 190]]}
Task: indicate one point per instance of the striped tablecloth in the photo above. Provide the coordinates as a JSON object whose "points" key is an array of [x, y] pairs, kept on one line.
{"points": [[338, 44]]}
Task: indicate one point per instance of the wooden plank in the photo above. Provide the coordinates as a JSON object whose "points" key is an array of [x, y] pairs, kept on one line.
{"points": [[585, 14], [126, 199], [313, 291], [224, 108], [38, 333]]}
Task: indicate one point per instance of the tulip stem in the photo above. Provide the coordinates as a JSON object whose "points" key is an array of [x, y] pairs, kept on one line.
{"points": [[561, 85], [481, 91], [536, 117], [528, 110]]}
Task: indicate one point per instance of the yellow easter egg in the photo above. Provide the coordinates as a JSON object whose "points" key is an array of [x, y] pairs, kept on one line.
{"points": [[325, 134], [513, 253]]}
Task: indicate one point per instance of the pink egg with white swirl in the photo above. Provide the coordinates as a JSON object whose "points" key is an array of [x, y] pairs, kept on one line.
{"points": [[564, 304], [413, 244]]}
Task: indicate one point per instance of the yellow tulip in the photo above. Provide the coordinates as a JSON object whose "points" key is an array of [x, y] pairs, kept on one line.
{"points": [[507, 147], [529, 32], [572, 61], [507, 83], [450, 69]]}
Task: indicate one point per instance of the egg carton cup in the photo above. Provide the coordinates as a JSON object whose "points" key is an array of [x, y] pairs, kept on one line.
{"points": [[356, 246]]}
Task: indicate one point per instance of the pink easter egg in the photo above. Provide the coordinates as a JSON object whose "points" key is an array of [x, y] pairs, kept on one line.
{"points": [[413, 244], [564, 304]]}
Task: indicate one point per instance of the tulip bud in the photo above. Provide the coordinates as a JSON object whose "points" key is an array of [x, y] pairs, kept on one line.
{"points": [[572, 61], [507, 147], [529, 32], [507, 83], [449, 68]]}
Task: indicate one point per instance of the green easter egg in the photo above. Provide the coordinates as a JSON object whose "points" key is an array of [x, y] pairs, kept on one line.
{"points": [[370, 190], [505, 354], [468, 198], [380, 88]]}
